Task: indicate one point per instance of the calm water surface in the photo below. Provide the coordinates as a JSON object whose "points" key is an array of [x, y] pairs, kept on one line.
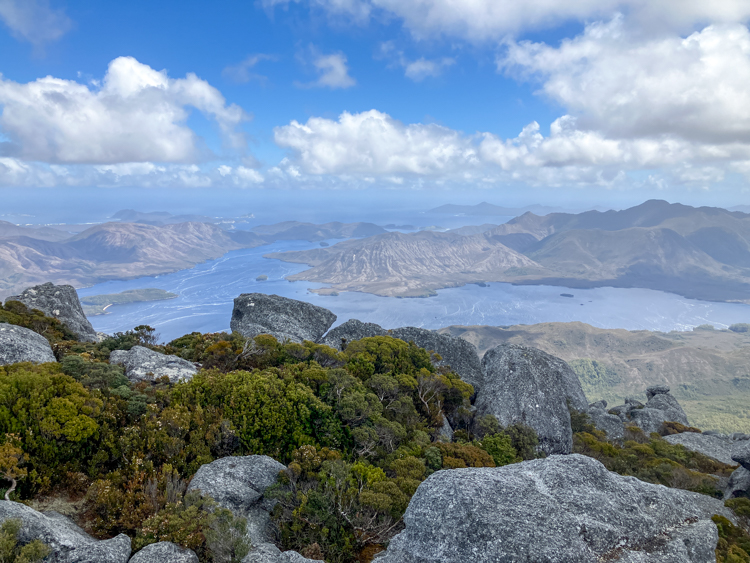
{"points": [[206, 293]]}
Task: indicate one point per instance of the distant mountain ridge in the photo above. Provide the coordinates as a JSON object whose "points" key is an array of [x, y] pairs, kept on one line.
{"points": [[490, 210], [701, 253]]}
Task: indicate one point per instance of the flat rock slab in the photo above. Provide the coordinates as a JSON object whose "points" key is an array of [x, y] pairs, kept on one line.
{"points": [[69, 544], [164, 552], [526, 385], [555, 510], [19, 344], [143, 364], [717, 448], [281, 317], [60, 302]]}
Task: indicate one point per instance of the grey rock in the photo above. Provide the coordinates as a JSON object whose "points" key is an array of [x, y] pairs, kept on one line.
{"points": [[738, 436], [269, 553], [143, 364], [529, 386], [60, 302], [598, 405], [669, 406], [619, 410], [446, 432], [739, 483], [459, 354], [19, 344], [649, 420], [656, 390], [282, 318], [714, 447], [555, 510], [632, 403], [238, 484], [611, 424], [164, 552], [69, 544], [741, 455], [350, 331]]}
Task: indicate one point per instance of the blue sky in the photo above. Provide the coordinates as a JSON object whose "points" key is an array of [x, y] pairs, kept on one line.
{"points": [[536, 102]]}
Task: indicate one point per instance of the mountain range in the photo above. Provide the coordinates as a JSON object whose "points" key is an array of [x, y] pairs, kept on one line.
{"points": [[701, 253]]}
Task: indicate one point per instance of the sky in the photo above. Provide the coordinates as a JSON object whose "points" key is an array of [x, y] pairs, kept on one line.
{"points": [[585, 102]]}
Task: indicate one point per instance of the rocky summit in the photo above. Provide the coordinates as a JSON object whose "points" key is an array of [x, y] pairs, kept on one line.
{"points": [[281, 317], [562, 509], [18, 344], [60, 302], [532, 387], [661, 407]]}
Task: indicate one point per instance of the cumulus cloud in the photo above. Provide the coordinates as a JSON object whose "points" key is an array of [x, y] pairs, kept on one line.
{"points": [[34, 20], [332, 70], [242, 72], [138, 115], [373, 143], [693, 87], [482, 20], [418, 69]]}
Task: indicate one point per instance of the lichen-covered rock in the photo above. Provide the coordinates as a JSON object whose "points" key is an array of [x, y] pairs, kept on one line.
{"points": [[164, 552], [648, 420], [238, 484], [739, 483], [19, 344], [611, 424], [526, 385], [69, 544], [555, 510], [656, 390], [666, 403], [281, 317], [144, 364], [459, 354], [269, 553], [717, 448], [350, 331], [60, 302], [741, 455], [661, 407]]}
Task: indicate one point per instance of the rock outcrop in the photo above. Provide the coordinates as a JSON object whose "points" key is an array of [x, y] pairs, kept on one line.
{"points": [[339, 337], [60, 302], [459, 354], [661, 407], [269, 553], [715, 447], [68, 542], [526, 385], [281, 317], [144, 364], [611, 424], [19, 344], [559, 509], [739, 480], [164, 552]]}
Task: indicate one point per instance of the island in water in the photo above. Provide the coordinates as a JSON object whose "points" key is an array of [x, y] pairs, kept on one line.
{"points": [[97, 304]]}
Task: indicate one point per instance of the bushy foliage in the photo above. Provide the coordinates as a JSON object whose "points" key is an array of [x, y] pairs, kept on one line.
{"points": [[16, 313], [734, 542], [12, 552]]}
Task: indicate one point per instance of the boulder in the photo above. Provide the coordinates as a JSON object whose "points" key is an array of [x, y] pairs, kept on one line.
{"points": [[69, 544], [559, 509], [269, 553], [648, 420], [282, 318], [445, 434], [602, 404], [60, 302], [459, 354], [19, 344], [739, 483], [350, 331], [741, 455], [666, 403], [661, 407], [611, 424], [529, 386], [714, 447], [654, 390], [144, 364], [164, 552], [238, 484]]}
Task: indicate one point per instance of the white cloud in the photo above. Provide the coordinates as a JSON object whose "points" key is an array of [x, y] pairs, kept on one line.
{"points": [[242, 71], [694, 87], [138, 115], [373, 143], [332, 70], [34, 20], [418, 69], [482, 20]]}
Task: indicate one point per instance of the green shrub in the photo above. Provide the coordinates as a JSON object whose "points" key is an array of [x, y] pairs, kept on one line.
{"points": [[10, 550]]}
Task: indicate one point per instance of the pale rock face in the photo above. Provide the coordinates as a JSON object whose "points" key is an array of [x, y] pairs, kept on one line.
{"points": [[562, 509], [19, 344], [69, 544], [164, 552], [526, 385], [282, 318], [62, 303], [144, 364]]}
